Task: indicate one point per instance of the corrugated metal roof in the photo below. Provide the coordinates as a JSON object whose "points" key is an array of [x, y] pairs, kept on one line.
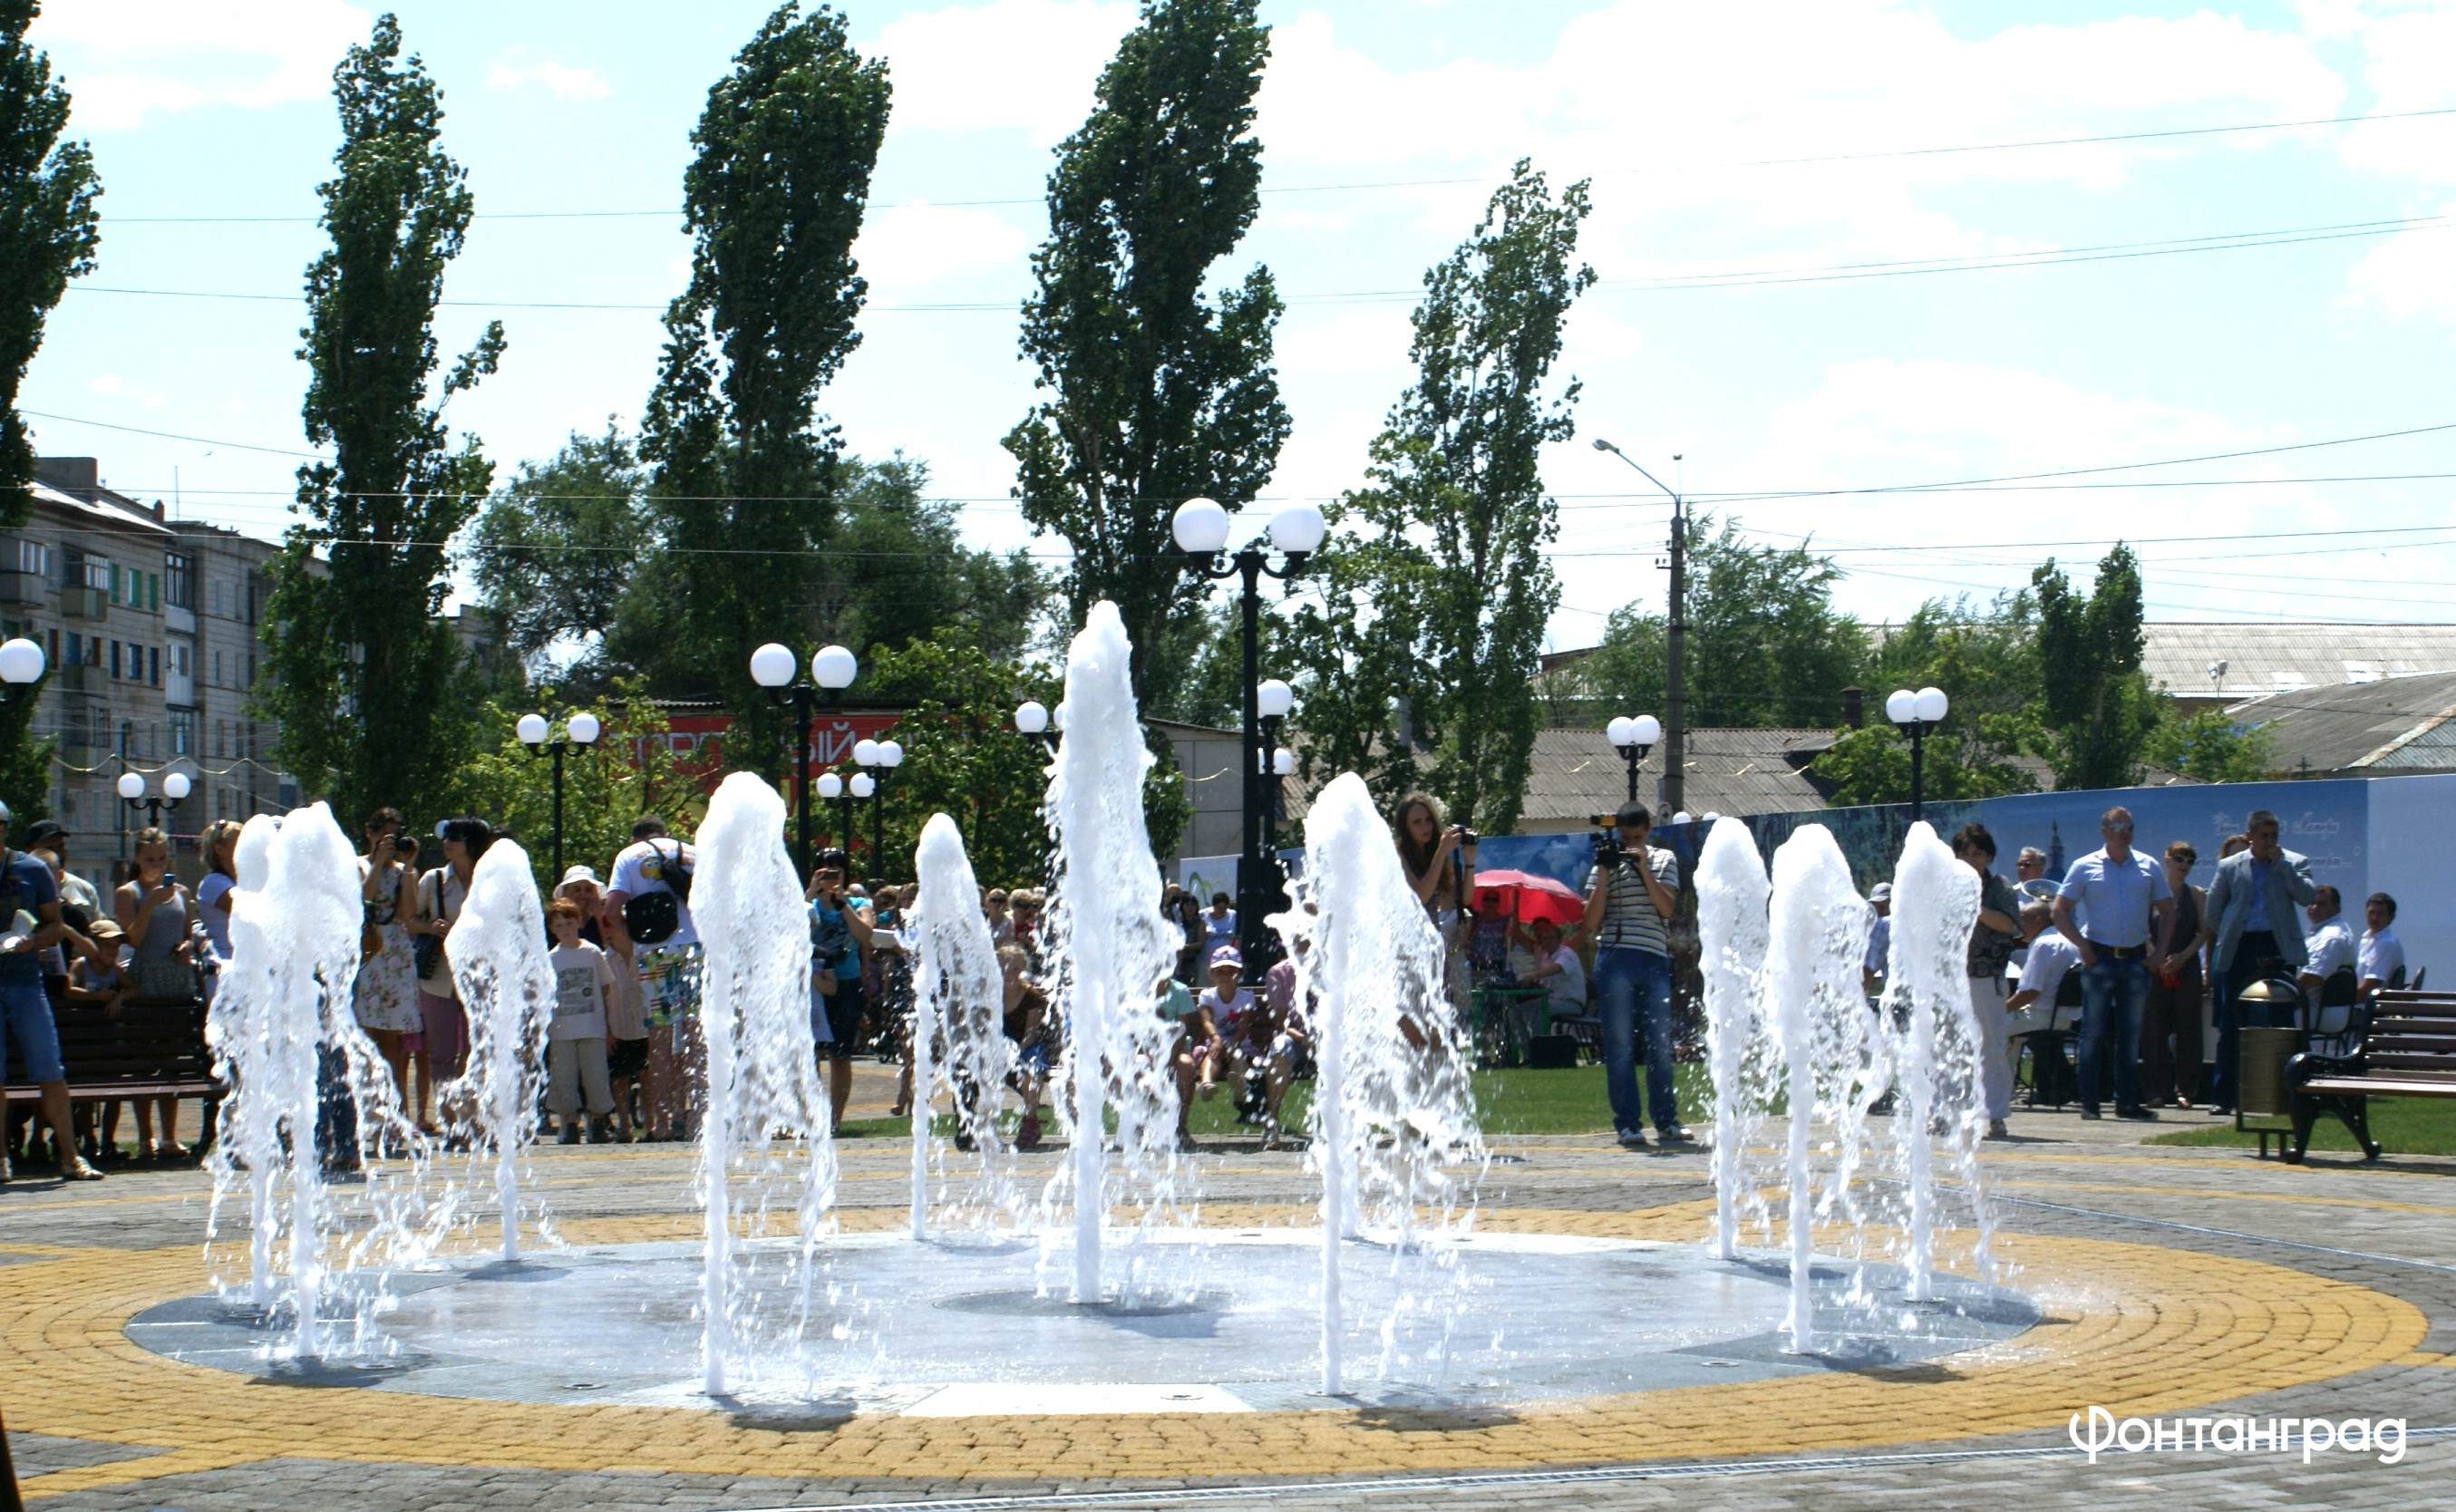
{"points": [[2401, 724], [2279, 658]]}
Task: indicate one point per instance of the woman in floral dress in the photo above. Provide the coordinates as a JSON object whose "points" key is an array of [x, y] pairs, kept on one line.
{"points": [[387, 989]]}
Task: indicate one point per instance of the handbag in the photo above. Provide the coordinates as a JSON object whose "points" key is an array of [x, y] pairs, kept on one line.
{"points": [[426, 951], [652, 917]]}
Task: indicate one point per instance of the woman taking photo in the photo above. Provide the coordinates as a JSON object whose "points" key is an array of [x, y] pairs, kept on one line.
{"points": [[435, 904], [387, 987], [154, 915]]}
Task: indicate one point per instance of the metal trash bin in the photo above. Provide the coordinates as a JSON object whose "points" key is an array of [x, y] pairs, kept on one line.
{"points": [[2260, 1093]]}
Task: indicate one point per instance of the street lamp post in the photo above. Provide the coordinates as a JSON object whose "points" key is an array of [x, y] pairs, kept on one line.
{"points": [[580, 732], [831, 790], [132, 792], [878, 757], [1202, 530], [22, 665], [1914, 714], [1675, 639], [1634, 738], [1032, 718], [833, 669]]}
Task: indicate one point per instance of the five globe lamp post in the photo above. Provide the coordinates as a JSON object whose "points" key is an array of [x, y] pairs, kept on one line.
{"points": [[1200, 526], [580, 730], [1914, 715], [877, 760], [132, 792], [833, 669]]}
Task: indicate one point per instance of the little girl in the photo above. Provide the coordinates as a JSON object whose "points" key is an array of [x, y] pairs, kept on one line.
{"points": [[575, 1054]]}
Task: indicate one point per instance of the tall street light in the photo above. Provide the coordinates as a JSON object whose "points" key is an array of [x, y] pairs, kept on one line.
{"points": [[877, 759], [1272, 698], [1675, 626], [1032, 718], [831, 790], [22, 665], [833, 669], [132, 792], [1202, 530], [1633, 738], [580, 732], [1914, 714]]}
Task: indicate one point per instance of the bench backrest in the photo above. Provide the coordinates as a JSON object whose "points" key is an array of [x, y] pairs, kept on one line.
{"points": [[2412, 1036], [148, 1041]]}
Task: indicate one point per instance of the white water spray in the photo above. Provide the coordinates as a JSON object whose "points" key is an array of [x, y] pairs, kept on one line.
{"points": [[1732, 927], [958, 1001], [239, 1031], [1105, 923], [497, 951], [1936, 906], [762, 1081]]}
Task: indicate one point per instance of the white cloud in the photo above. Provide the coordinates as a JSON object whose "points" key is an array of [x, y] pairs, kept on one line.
{"points": [[123, 59], [2412, 66], [105, 383], [2413, 271], [905, 247], [560, 79], [1370, 341], [1027, 65]]}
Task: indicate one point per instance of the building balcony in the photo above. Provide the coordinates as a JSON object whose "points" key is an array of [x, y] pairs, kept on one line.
{"points": [[74, 751], [24, 588], [81, 679], [85, 603]]}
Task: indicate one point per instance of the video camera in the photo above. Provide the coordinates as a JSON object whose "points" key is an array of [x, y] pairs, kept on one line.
{"points": [[1608, 848]]}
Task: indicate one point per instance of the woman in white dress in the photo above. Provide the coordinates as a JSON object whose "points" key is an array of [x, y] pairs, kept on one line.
{"points": [[387, 987]]}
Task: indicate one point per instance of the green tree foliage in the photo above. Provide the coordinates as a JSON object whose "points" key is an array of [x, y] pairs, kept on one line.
{"points": [[897, 570], [368, 683], [1765, 646], [25, 762], [558, 548], [630, 771], [2211, 746], [963, 758], [2100, 707], [1456, 513], [1155, 394], [48, 230], [1359, 674], [744, 473], [1985, 657]]}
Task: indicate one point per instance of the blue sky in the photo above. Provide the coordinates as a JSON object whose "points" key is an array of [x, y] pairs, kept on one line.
{"points": [[202, 113]]}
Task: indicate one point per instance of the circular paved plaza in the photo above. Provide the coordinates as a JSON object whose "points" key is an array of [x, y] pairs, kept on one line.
{"points": [[2168, 1282]]}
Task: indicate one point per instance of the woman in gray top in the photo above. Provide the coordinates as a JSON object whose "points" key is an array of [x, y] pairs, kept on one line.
{"points": [[154, 915]]}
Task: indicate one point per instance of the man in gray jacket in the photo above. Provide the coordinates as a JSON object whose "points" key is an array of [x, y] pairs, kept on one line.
{"points": [[2254, 917]]}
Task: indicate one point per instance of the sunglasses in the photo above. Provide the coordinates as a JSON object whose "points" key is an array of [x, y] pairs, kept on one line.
{"points": [[2114, 830]]}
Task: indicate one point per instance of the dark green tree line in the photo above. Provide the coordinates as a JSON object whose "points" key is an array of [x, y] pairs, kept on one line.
{"points": [[49, 226]]}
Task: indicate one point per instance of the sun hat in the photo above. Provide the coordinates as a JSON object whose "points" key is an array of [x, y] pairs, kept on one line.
{"points": [[1227, 955]]}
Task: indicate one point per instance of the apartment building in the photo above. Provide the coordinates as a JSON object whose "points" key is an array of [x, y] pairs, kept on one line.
{"points": [[150, 628]]}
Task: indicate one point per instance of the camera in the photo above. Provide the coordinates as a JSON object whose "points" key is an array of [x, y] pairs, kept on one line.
{"points": [[404, 845], [1466, 836], [1608, 851]]}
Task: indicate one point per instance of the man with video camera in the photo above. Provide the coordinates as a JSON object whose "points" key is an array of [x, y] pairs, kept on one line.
{"points": [[1631, 895]]}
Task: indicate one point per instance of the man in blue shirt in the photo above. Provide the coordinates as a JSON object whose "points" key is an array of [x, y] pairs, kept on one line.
{"points": [[2106, 907], [30, 923]]}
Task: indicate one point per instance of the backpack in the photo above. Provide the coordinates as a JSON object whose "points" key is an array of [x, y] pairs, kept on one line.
{"points": [[653, 917]]}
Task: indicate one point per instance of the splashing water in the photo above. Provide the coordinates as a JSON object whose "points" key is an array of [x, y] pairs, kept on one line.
{"points": [[1935, 907], [239, 1031], [497, 951], [958, 1003], [763, 1078], [1732, 927], [1393, 1118], [1818, 930], [1104, 922]]}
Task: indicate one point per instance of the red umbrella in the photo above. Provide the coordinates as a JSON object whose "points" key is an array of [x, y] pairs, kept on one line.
{"points": [[1526, 898]]}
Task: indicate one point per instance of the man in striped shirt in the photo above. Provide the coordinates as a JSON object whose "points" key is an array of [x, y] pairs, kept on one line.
{"points": [[1629, 898]]}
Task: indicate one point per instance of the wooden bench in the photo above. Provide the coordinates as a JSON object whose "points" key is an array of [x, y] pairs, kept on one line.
{"points": [[2404, 1045], [151, 1047]]}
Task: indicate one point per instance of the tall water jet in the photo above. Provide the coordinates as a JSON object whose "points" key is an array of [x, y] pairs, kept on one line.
{"points": [[959, 999], [1393, 1125], [1818, 927], [1105, 923], [1935, 907], [1731, 928], [239, 1030], [763, 1078], [496, 951]]}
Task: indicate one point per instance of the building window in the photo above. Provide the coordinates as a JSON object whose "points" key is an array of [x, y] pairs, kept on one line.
{"points": [[183, 732], [179, 579], [115, 661], [30, 557], [182, 653], [218, 667], [153, 666]]}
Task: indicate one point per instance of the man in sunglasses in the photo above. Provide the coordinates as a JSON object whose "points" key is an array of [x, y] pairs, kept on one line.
{"points": [[2107, 906]]}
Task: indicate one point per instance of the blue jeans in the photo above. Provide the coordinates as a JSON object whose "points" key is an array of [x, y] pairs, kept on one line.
{"points": [[28, 1009], [2233, 1015], [2114, 995], [1627, 981]]}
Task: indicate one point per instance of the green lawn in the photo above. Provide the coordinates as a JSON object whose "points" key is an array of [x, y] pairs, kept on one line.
{"points": [[1513, 1102], [2411, 1126]]}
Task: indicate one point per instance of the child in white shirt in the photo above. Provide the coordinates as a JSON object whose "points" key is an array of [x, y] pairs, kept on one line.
{"points": [[575, 1051]]}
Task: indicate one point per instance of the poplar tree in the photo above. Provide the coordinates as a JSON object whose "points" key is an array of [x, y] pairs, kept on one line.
{"points": [[367, 679], [1154, 393], [2099, 708], [49, 228], [743, 473]]}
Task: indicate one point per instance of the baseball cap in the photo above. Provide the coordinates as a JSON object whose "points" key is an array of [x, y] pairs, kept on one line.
{"points": [[1227, 955], [43, 829], [1881, 893], [578, 874]]}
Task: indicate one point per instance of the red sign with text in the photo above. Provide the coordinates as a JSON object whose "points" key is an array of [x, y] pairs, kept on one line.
{"points": [[698, 740]]}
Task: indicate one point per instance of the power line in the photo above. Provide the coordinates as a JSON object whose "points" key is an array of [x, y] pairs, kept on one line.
{"points": [[173, 436], [2031, 144]]}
